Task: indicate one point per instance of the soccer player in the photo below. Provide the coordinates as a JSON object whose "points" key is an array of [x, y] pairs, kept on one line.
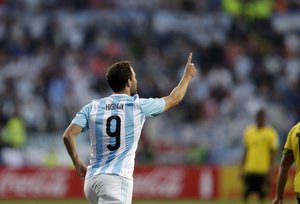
{"points": [[291, 153], [115, 123], [261, 142]]}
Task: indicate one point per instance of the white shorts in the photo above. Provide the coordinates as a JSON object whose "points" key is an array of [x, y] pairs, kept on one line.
{"points": [[108, 189]]}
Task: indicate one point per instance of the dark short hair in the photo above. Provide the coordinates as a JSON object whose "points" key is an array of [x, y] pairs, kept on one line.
{"points": [[261, 111], [118, 74]]}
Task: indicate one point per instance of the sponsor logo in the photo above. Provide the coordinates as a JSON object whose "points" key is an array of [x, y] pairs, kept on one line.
{"points": [[160, 182], [37, 183]]}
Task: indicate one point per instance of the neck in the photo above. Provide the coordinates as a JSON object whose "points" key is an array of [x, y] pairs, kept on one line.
{"points": [[260, 125], [125, 91]]}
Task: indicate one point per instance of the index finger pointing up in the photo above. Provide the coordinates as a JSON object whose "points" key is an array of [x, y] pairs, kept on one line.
{"points": [[190, 58]]}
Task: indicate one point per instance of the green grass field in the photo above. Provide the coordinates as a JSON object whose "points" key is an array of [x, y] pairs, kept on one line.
{"points": [[20, 201]]}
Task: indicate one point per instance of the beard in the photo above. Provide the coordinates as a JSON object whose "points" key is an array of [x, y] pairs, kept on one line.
{"points": [[133, 91]]}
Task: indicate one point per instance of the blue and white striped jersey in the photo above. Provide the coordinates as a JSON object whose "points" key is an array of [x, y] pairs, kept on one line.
{"points": [[115, 124]]}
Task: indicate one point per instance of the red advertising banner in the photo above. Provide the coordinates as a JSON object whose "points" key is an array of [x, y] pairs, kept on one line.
{"points": [[158, 182], [289, 187], [170, 182], [40, 183], [231, 183], [165, 182]]}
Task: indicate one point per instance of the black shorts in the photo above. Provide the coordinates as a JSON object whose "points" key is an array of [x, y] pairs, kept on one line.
{"points": [[257, 183], [298, 197]]}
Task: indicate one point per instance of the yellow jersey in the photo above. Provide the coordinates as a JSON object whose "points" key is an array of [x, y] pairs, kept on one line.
{"points": [[259, 143], [292, 144]]}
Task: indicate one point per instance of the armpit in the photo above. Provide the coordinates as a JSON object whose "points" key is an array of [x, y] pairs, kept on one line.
{"points": [[287, 151]]}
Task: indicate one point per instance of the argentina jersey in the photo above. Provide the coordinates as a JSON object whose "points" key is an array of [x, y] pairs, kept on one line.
{"points": [[115, 124]]}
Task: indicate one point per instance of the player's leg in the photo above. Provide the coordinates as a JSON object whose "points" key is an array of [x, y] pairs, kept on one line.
{"points": [[113, 189], [298, 197], [262, 187], [247, 188], [89, 192]]}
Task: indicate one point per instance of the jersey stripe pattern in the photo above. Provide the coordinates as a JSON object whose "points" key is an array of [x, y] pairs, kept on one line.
{"points": [[115, 124]]}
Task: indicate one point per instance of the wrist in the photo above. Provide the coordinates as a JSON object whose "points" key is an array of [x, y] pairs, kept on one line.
{"points": [[279, 196]]}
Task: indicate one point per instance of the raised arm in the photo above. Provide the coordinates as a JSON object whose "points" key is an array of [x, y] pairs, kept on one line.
{"points": [[70, 142], [179, 91]]}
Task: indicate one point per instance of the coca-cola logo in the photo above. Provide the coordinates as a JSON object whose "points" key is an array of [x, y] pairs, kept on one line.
{"points": [[160, 182], [37, 183]]}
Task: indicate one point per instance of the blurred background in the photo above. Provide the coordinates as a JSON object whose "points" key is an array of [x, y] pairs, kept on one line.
{"points": [[54, 55]]}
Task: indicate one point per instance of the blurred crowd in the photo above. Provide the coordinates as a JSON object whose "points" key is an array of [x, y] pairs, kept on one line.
{"points": [[54, 55]]}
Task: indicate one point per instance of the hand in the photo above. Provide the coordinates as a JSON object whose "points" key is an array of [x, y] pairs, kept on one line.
{"points": [[277, 201], [81, 169], [190, 69]]}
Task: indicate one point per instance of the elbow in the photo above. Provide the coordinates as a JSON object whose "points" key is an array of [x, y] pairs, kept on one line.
{"points": [[66, 136], [176, 103], [176, 100], [171, 101], [71, 132]]}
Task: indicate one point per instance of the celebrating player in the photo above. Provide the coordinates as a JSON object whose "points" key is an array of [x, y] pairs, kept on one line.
{"points": [[290, 154], [115, 123]]}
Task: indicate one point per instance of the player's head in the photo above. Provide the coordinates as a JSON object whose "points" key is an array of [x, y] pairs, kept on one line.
{"points": [[260, 117], [120, 76]]}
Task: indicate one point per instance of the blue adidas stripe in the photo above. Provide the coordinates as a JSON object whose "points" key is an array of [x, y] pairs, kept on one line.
{"points": [[129, 132]]}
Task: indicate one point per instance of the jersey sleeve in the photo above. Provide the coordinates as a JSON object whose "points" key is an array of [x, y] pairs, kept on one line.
{"points": [[152, 107], [274, 139], [82, 117], [288, 144], [246, 136]]}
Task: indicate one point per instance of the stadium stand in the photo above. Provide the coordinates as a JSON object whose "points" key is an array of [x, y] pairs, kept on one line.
{"points": [[53, 56]]}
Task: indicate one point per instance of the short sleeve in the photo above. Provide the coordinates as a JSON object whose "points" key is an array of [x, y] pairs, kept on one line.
{"points": [[274, 139], [82, 117], [288, 143], [152, 107], [246, 136]]}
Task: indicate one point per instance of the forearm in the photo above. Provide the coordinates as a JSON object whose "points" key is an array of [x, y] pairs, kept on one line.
{"points": [[286, 162], [179, 91], [70, 141], [281, 181], [71, 146]]}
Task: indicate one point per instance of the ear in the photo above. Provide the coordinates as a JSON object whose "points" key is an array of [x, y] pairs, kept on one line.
{"points": [[129, 83]]}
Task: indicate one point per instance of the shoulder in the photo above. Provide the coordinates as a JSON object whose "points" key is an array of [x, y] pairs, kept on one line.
{"points": [[150, 99], [94, 104], [135, 98], [148, 102], [295, 129], [292, 136], [271, 129], [250, 128], [152, 107]]}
